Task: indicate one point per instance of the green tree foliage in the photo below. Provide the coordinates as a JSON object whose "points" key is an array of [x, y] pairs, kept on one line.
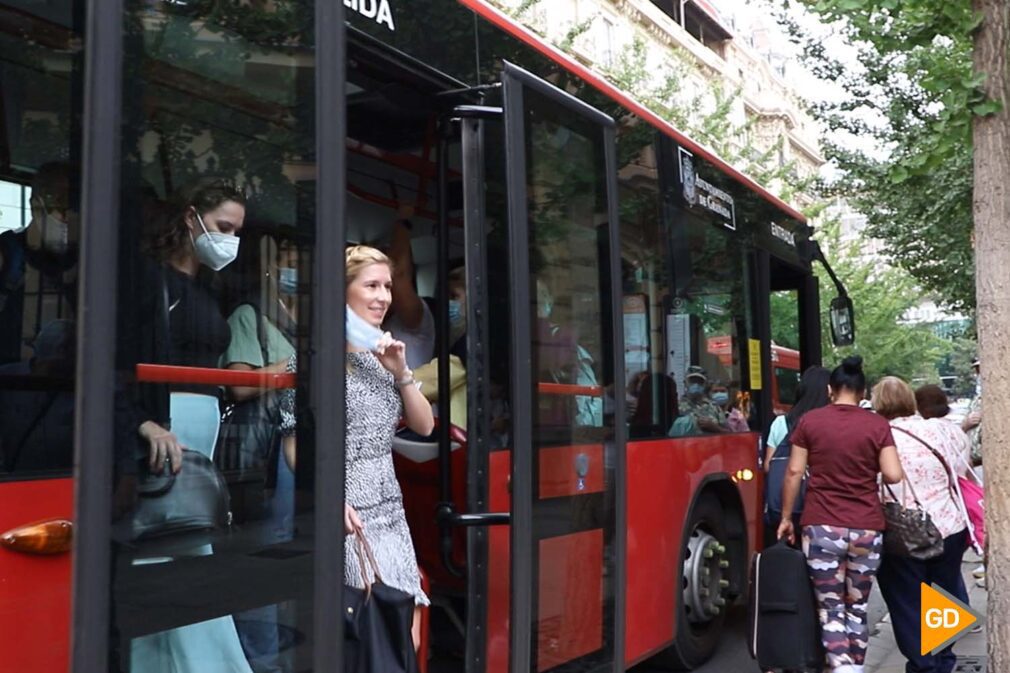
{"points": [[881, 294], [913, 93]]}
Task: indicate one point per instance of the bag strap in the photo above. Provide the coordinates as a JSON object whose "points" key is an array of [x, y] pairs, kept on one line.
{"points": [[261, 332], [364, 550], [939, 456]]}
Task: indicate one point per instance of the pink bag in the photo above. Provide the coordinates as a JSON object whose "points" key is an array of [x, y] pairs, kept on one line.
{"points": [[973, 497]]}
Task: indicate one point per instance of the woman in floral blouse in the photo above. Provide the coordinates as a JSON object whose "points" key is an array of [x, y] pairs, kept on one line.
{"points": [[933, 453]]}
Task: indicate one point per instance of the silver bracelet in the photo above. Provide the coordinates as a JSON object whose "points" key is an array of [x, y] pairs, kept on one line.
{"points": [[408, 379]]}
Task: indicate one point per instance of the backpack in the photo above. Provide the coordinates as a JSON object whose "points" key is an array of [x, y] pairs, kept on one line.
{"points": [[777, 477]]}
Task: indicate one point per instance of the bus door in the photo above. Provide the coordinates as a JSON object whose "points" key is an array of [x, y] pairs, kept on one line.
{"points": [[567, 454]]}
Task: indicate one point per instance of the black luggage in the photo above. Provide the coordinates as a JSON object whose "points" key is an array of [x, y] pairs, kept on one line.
{"points": [[784, 631]]}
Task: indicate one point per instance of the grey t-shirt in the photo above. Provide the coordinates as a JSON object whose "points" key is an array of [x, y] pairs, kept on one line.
{"points": [[420, 341]]}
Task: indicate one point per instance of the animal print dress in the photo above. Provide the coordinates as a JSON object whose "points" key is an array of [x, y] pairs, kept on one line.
{"points": [[373, 410]]}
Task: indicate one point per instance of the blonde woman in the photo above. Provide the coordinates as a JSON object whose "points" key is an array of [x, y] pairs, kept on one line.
{"points": [[380, 390]]}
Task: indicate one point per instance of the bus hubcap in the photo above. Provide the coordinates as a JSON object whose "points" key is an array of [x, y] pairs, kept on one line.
{"points": [[703, 577]]}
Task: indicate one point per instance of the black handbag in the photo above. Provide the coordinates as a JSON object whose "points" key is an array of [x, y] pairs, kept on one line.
{"points": [[195, 499], [377, 622], [910, 530], [248, 444]]}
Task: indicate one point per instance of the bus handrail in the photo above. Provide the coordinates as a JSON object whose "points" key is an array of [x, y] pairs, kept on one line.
{"points": [[546, 388], [212, 376]]}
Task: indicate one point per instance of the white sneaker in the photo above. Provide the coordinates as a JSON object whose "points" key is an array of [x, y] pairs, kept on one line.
{"points": [[979, 572]]}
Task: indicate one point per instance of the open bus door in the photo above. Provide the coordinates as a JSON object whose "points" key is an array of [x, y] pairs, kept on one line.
{"points": [[566, 543]]}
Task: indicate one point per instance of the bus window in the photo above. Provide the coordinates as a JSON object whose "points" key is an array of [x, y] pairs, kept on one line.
{"points": [[215, 301], [41, 85], [705, 329]]}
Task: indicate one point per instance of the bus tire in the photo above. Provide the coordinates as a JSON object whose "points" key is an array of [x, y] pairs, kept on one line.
{"points": [[700, 618]]}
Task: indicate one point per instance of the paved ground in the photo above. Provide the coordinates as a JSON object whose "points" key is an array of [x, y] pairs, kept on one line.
{"points": [[883, 655]]}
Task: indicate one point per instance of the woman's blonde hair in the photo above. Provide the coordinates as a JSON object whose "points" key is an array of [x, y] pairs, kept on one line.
{"points": [[357, 257], [893, 398]]}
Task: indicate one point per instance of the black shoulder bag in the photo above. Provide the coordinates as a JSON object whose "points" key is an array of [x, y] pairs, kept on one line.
{"points": [[249, 442], [377, 621], [195, 499]]}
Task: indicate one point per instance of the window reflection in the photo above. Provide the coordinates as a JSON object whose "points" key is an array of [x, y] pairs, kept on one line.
{"points": [[213, 563]]}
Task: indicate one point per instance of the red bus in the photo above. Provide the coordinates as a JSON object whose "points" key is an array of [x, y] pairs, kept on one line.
{"points": [[569, 522]]}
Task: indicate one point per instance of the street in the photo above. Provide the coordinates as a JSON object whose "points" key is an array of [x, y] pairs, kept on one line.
{"points": [[733, 655]]}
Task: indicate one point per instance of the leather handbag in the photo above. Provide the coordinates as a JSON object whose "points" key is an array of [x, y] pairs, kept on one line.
{"points": [[195, 499], [910, 530], [377, 621]]}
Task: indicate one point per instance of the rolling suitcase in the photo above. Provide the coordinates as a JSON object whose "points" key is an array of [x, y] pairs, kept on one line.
{"points": [[784, 631]]}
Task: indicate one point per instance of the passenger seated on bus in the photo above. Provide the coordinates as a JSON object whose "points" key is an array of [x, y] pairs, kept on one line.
{"points": [[457, 313], [409, 320], [52, 238], [736, 420], [697, 403], [656, 406], [37, 426], [563, 360]]}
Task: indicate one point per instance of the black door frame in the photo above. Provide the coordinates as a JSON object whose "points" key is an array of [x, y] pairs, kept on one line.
{"points": [[96, 334], [515, 80]]}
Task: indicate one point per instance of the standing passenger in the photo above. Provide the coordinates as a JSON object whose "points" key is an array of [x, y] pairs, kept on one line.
{"points": [[845, 447], [931, 453], [380, 388], [811, 394]]}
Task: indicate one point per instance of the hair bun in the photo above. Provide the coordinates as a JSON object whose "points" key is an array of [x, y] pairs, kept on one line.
{"points": [[853, 364]]}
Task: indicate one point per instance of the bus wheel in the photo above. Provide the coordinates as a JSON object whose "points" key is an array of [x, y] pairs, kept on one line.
{"points": [[704, 582]]}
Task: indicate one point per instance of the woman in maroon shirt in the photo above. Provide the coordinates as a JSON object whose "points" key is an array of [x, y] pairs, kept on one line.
{"points": [[844, 447]]}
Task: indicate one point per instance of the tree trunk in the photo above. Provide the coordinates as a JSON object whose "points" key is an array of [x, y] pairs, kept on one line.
{"points": [[991, 211]]}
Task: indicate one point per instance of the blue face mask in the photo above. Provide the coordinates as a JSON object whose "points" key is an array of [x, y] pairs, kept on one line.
{"points": [[455, 312], [695, 389], [287, 280], [720, 398]]}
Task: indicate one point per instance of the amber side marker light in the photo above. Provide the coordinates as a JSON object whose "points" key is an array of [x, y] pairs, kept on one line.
{"points": [[42, 537]]}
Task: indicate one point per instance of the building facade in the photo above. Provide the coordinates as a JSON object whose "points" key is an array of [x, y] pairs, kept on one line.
{"points": [[697, 59]]}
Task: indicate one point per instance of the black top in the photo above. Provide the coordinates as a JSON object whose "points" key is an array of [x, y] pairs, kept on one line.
{"points": [[197, 334]]}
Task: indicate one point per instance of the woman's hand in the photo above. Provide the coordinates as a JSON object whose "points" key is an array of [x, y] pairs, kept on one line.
{"points": [[352, 522], [164, 446], [392, 354], [786, 531], [971, 420]]}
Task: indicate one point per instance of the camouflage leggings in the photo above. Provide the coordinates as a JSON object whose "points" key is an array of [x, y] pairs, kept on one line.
{"points": [[842, 563]]}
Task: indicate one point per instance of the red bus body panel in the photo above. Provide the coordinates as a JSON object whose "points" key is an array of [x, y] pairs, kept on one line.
{"points": [[663, 477], [35, 590]]}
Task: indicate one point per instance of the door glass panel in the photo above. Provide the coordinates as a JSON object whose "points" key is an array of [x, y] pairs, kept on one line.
{"points": [[213, 520], [41, 76], [573, 461]]}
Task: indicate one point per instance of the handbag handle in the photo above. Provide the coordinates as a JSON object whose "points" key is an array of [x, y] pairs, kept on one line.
{"points": [[904, 482], [364, 550]]}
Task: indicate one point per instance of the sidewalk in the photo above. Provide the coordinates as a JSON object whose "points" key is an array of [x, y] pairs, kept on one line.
{"points": [[883, 655]]}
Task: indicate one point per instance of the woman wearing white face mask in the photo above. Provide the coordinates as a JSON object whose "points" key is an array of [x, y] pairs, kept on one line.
{"points": [[171, 318]]}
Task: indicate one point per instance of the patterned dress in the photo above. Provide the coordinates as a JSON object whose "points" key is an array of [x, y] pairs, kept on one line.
{"points": [[373, 411]]}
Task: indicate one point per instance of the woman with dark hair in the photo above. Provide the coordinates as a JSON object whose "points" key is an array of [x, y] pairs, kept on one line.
{"points": [[812, 393], [845, 448], [933, 453], [172, 318], [931, 401], [656, 407]]}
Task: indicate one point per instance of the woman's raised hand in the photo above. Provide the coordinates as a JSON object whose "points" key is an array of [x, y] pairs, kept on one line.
{"points": [[392, 354]]}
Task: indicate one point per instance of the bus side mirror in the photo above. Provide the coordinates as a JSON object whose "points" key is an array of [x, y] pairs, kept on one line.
{"points": [[843, 325]]}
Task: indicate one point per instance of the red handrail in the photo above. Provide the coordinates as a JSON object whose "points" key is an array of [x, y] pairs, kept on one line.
{"points": [[568, 389], [211, 376]]}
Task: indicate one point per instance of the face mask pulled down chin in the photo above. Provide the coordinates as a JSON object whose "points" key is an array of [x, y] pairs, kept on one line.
{"points": [[214, 249]]}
